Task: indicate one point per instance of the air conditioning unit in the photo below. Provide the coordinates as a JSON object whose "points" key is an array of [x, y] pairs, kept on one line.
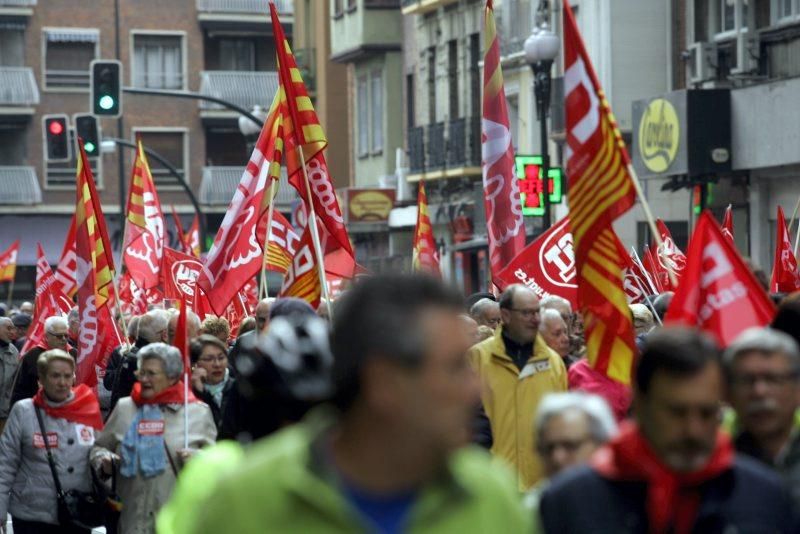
{"points": [[748, 52], [702, 61]]}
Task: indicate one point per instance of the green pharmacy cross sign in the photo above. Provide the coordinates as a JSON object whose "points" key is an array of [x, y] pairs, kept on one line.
{"points": [[531, 185]]}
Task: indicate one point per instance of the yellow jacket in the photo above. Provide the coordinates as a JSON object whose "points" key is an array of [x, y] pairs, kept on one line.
{"points": [[511, 398]]}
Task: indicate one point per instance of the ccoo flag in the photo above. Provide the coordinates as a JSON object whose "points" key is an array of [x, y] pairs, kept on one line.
{"points": [[425, 255], [50, 300], [727, 224], [785, 277], [600, 190]]}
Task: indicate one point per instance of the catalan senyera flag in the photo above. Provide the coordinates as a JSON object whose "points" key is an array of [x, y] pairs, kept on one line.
{"points": [[93, 273], [283, 243], [8, 262], [301, 127], [425, 256], [302, 278], [600, 190], [504, 221]]}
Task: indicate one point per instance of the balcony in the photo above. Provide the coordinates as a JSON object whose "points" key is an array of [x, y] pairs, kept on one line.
{"points": [[17, 8], [416, 149], [18, 91], [457, 155], [245, 89], [420, 7], [20, 186], [233, 12], [464, 147], [219, 184], [436, 147]]}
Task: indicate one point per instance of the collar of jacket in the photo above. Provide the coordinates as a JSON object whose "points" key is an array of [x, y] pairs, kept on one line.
{"points": [[317, 484], [4, 344], [497, 348]]}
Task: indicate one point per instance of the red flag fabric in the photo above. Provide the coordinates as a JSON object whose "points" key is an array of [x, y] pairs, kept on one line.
{"points": [[718, 293], [181, 339], [727, 224], [8, 262], [180, 273], [650, 265], [504, 221], [193, 237], [600, 190], [635, 280], [302, 278], [237, 253], [65, 271], [180, 234], [283, 241], [301, 127], [49, 300], [547, 265], [425, 255], [133, 300], [669, 258], [785, 277]]}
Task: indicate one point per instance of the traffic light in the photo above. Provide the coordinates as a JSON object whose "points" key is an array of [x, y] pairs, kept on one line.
{"points": [[86, 130], [56, 138], [106, 94]]}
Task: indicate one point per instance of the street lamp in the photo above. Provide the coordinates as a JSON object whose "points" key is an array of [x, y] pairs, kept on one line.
{"points": [[541, 48], [251, 129]]}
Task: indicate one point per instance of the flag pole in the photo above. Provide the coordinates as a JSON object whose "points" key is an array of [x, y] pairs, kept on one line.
{"points": [[647, 299], [115, 285], [639, 264], [794, 215], [312, 220], [263, 289], [650, 220]]}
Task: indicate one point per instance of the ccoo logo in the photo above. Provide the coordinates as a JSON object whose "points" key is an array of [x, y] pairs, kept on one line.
{"points": [[184, 275], [557, 257]]}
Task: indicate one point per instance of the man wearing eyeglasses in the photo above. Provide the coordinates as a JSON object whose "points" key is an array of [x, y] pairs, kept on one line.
{"points": [[763, 370], [517, 369], [56, 335]]}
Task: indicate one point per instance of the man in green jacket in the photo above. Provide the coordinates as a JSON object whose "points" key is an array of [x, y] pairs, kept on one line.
{"points": [[387, 455]]}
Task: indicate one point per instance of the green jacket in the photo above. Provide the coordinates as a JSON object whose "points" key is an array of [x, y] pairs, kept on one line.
{"points": [[283, 485]]}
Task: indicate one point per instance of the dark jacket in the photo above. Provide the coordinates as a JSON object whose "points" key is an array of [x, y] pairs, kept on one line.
{"points": [[120, 372], [745, 498], [787, 465], [26, 383], [226, 416]]}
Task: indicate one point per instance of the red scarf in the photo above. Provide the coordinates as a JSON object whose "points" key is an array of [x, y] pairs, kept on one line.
{"points": [[170, 395], [82, 409], [673, 499]]}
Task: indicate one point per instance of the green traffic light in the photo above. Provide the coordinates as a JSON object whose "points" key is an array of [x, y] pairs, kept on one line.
{"points": [[106, 102], [89, 147]]}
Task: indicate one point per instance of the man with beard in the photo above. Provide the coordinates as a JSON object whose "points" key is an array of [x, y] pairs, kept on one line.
{"points": [[672, 470], [763, 371]]}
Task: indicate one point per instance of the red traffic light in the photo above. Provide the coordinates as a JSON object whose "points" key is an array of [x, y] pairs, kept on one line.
{"points": [[56, 127]]}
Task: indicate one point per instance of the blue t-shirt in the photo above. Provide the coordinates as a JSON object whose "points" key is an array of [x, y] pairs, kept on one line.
{"points": [[387, 514]]}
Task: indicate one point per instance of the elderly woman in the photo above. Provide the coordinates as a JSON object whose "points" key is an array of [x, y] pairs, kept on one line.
{"points": [[213, 384], [70, 417], [146, 433]]}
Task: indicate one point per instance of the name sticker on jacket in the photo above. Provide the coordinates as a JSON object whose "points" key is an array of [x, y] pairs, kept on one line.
{"points": [[148, 427], [52, 440], [85, 434], [531, 368]]}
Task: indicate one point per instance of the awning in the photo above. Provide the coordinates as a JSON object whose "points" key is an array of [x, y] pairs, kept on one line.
{"points": [[70, 35], [19, 186]]}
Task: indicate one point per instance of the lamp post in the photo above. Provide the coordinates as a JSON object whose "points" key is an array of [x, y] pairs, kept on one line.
{"points": [[541, 49], [250, 129]]}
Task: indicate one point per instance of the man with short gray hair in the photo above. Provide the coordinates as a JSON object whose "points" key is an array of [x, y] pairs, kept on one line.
{"points": [[555, 333], [486, 312], [56, 334], [9, 362], [763, 370]]}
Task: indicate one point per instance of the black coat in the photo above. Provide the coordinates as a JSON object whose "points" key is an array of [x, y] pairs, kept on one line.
{"points": [[745, 498], [26, 383], [227, 416], [120, 372]]}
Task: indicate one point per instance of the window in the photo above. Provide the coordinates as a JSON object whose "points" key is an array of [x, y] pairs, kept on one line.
{"points": [[237, 54], [158, 61], [727, 13], [376, 106], [171, 145], [475, 74], [362, 117], [68, 53], [452, 78], [785, 9], [62, 174], [432, 85], [410, 108], [337, 8], [352, 4], [12, 46]]}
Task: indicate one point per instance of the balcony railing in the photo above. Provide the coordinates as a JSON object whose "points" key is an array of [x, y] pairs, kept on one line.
{"points": [[219, 184], [416, 149], [18, 87], [284, 7], [246, 89], [456, 143], [17, 3], [474, 141], [20, 186], [436, 147]]}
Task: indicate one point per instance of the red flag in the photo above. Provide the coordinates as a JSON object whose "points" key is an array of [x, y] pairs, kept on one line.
{"points": [[425, 253], [184, 246], [669, 258], [635, 281], [49, 300], [283, 242], [133, 300], [302, 278], [727, 224], [785, 277], [144, 245], [547, 265], [650, 265], [180, 272], [181, 339], [65, 271], [8, 262], [302, 128], [719, 293], [504, 222], [193, 237]]}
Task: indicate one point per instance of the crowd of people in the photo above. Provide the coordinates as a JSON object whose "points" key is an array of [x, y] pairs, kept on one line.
{"points": [[410, 408]]}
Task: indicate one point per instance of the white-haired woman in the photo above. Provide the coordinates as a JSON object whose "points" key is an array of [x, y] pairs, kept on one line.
{"points": [[145, 432], [70, 417]]}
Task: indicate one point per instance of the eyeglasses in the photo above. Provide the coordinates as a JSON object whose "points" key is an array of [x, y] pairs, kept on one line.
{"points": [[770, 379], [58, 336], [219, 359], [570, 446], [148, 374], [525, 313]]}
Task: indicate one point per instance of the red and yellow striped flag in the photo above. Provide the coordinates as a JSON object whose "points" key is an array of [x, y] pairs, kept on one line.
{"points": [[600, 190], [8, 263], [425, 256]]}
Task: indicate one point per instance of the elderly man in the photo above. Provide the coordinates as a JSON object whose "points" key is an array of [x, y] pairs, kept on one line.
{"points": [[73, 325], [389, 458], [555, 333], [22, 324], [763, 370], [26, 307], [192, 325], [55, 337], [673, 470], [9, 362], [486, 312], [517, 369]]}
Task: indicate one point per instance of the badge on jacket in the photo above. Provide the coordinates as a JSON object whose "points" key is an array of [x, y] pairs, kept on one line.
{"points": [[531, 368], [52, 440], [85, 434], [150, 427]]}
